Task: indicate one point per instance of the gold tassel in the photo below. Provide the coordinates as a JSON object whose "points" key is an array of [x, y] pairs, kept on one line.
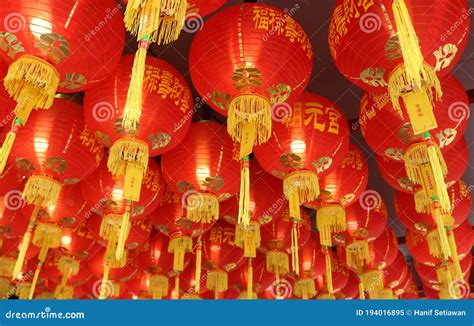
{"points": [[41, 190], [161, 20], [123, 233], [23, 290], [248, 238], [357, 254], [32, 82], [277, 262], [244, 195], [110, 227], [25, 243], [249, 118], [305, 183], [438, 244], [250, 280], [217, 281], [330, 219], [202, 207], [159, 286], [454, 254], [64, 293], [5, 288], [373, 281], [179, 246], [422, 201], [245, 296], [41, 258], [305, 288], [385, 294], [197, 275], [176, 287], [7, 145], [105, 281], [6, 267], [69, 266], [328, 261], [326, 296], [295, 260], [128, 159], [361, 287], [445, 278], [133, 105]]}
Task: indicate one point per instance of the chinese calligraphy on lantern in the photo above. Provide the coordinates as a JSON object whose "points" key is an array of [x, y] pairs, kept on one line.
{"points": [[320, 117], [219, 234]]}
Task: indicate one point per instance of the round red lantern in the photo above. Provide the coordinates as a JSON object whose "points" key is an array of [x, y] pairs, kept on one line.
{"points": [[339, 279], [208, 170], [429, 274], [9, 183], [201, 8], [241, 80], [405, 209], [395, 273], [395, 175], [351, 290], [12, 221], [220, 256]]}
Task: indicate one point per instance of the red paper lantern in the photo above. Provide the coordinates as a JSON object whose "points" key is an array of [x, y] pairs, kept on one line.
{"points": [[419, 247], [395, 274], [351, 290], [241, 80], [202, 8], [429, 276], [9, 183], [385, 249], [410, 291], [208, 170], [340, 277], [83, 242], [405, 209], [12, 221], [395, 175], [104, 194]]}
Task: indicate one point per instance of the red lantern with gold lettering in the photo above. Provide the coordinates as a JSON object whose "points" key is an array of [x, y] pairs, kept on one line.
{"points": [[240, 80], [220, 256], [208, 170], [55, 47]]}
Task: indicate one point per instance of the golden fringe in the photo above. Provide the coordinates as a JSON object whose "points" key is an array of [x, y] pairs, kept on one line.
{"points": [[249, 110], [69, 266], [277, 262], [202, 207], [438, 244], [357, 254], [110, 227], [159, 286], [385, 294], [295, 259], [330, 219], [5, 287], [422, 201], [23, 290], [326, 296], [454, 255], [249, 280], [373, 281], [426, 166], [216, 281], [160, 20], [179, 246], [246, 296], [7, 146], [6, 267], [244, 195], [361, 287], [328, 263], [125, 227], [41, 190], [48, 235], [64, 293], [305, 183], [305, 288], [248, 238], [445, 278], [44, 247], [32, 82], [176, 290], [124, 151], [197, 272]]}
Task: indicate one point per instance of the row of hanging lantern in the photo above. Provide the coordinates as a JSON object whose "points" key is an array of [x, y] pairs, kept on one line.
{"points": [[103, 240]]}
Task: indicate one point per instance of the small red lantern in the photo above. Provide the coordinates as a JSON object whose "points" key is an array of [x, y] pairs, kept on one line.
{"points": [[395, 273], [241, 80], [208, 170]]}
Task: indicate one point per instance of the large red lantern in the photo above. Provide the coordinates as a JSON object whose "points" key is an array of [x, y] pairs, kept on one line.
{"points": [[9, 182], [58, 50], [395, 273], [424, 163], [405, 49], [338, 280], [12, 221], [220, 256], [394, 172], [241, 80], [208, 170]]}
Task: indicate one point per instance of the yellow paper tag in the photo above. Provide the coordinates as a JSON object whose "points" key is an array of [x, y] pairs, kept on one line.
{"points": [[133, 182], [294, 207], [247, 141], [420, 111]]}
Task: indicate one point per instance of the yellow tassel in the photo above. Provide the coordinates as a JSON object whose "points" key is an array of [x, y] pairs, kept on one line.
{"points": [[8, 144], [385, 294], [23, 290], [438, 244], [277, 262], [305, 288], [244, 195], [249, 118], [69, 266], [305, 183], [159, 286], [176, 287], [5, 288], [133, 105], [202, 207], [123, 234], [179, 246], [426, 166], [110, 227], [105, 282], [44, 247], [357, 254], [422, 201], [248, 238], [330, 219], [373, 281], [326, 296], [295, 261], [197, 275], [41, 190], [445, 278], [245, 296], [361, 287], [64, 293], [32, 82], [328, 261], [454, 255], [6, 266], [250, 280], [217, 281]]}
